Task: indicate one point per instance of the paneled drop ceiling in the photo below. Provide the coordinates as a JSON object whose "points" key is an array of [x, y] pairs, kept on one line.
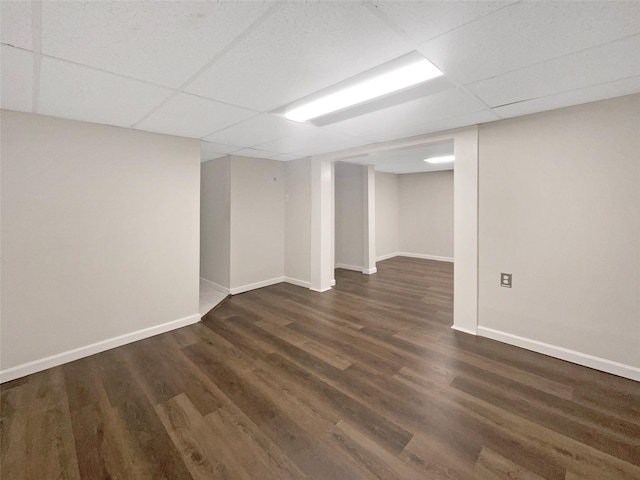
{"points": [[215, 70]]}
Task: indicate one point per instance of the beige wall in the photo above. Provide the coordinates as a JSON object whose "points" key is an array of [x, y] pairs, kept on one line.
{"points": [[257, 221], [559, 209], [349, 215], [387, 214], [215, 215], [414, 214], [298, 221], [426, 213], [100, 234], [243, 222]]}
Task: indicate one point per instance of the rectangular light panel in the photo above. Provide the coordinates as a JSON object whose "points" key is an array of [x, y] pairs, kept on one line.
{"points": [[437, 160], [417, 71]]}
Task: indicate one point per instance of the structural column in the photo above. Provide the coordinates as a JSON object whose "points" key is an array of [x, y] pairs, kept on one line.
{"points": [[369, 217], [322, 225], [465, 244]]}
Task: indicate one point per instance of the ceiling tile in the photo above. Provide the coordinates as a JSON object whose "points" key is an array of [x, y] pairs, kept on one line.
{"points": [[312, 143], [17, 79], [260, 129], [613, 61], [300, 49], [594, 93], [160, 42], [209, 148], [406, 116], [529, 32], [73, 91], [189, 116], [423, 21], [15, 24], [254, 153]]}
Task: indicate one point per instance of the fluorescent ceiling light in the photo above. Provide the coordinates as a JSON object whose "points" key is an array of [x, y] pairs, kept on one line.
{"points": [[407, 75], [445, 159]]}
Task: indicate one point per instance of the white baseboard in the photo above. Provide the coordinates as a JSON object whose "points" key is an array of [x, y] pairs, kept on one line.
{"points": [[81, 352], [425, 257], [414, 255], [299, 283], [465, 330], [332, 282], [215, 285], [572, 356], [355, 268], [320, 290], [263, 283], [253, 286], [385, 257]]}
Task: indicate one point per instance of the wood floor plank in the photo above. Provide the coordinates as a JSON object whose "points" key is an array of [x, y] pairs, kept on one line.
{"points": [[91, 422], [540, 383], [258, 455], [551, 453], [185, 426], [132, 407], [494, 466], [163, 377], [379, 461], [622, 441], [13, 422], [49, 433], [366, 381], [298, 444], [435, 459]]}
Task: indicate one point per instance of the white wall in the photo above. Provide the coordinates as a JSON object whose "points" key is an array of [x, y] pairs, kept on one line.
{"points": [[100, 238], [387, 215], [426, 213], [297, 267], [349, 215], [559, 209], [215, 217], [257, 222]]}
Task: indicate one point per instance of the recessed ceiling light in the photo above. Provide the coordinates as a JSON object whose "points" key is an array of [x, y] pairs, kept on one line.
{"points": [[444, 159], [412, 70]]}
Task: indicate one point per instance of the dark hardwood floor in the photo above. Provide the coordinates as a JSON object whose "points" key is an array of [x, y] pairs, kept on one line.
{"points": [[364, 382]]}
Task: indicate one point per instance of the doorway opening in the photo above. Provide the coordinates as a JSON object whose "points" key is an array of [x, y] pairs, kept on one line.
{"points": [[452, 234]]}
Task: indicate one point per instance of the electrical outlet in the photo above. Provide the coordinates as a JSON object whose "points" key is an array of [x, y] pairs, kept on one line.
{"points": [[505, 280]]}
